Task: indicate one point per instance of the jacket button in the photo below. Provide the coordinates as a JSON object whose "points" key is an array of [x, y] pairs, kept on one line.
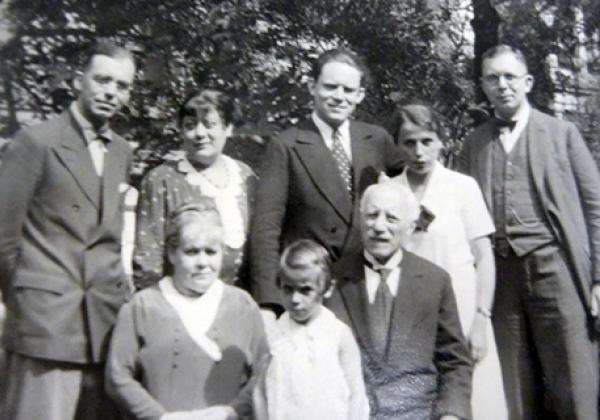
{"points": [[334, 229], [75, 208]]}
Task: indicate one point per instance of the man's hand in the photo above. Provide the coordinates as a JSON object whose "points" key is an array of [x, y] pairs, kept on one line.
{"points": [[595, 300], [478, 338]]}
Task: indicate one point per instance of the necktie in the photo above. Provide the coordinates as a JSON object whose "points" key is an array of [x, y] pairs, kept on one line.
{"points": [[500, 124], [97, 149], [381, 311], [342, 160]]}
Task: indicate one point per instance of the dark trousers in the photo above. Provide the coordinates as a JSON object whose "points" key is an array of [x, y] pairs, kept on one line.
{"points": [[548, 356]]}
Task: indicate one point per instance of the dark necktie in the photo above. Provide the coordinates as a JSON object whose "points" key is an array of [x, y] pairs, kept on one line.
{"points": [[381, 312], [343, 162], [500, 124]]}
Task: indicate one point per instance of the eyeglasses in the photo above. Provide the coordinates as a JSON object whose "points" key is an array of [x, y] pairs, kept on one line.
{"points": [[494, 79]]}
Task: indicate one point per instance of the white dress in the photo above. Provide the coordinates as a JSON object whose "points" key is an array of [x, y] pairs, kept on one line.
{"points": [[460, 216], [305, 379]]}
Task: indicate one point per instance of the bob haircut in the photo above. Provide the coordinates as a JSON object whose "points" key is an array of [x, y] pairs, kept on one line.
{"points": [[304, 258], [198, 102]]}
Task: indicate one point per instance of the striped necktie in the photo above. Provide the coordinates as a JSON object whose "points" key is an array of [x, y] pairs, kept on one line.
{"points": [[342, 160]]}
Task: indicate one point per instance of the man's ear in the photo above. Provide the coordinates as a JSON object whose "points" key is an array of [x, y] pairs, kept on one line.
{"points": [[330, 289], [361, 94], [311, 86], [77, 81], [529, 81]]}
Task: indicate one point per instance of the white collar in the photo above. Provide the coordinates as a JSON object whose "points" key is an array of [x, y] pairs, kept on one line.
{"points": [[392, 262]]}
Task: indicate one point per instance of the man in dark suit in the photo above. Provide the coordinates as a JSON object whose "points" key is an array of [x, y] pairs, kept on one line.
{"points": [[60, 228], [403, 313], [543, 189], [313, 172]]}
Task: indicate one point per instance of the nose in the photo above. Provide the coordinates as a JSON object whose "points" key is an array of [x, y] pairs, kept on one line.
{"points": [[379, 223], [502, 83], [296, 298], [338, 93], [201, 260], [110, 89], [418, 149], [200, 130]]}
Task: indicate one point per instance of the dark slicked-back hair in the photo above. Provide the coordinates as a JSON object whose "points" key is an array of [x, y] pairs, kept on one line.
{"points": [[504, 49], [418, 113], [341, 55], [200, 101], [108, 48]]}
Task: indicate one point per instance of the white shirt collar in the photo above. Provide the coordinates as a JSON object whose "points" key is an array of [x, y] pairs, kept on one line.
{"points": [[326, 132], [372, 277], [508, 139]]}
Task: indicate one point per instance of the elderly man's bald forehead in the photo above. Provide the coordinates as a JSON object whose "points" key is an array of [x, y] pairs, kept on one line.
{"points": [[391, 193]]}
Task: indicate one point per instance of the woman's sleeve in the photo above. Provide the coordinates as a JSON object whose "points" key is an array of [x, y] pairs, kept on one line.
{"points": [[152, 211], [474, 212], [351, 365], [258, 352], [122, 369]]}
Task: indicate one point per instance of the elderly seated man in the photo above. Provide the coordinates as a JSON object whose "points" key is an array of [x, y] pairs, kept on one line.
{"points": [[403, 313]]}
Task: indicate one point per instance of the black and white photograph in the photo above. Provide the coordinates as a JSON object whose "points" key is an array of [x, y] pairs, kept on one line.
{"points": [[299, 210]]}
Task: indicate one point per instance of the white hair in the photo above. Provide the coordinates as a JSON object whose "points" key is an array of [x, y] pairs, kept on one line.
{"points": [[410, 205]]}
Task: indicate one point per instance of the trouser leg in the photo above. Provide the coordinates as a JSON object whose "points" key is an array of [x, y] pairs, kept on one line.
{"points": [[562, 337]]}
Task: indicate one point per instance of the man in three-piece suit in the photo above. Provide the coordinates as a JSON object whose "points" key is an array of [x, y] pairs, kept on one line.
{"points": [[60, 228], [543, 189], [403, 313], [313, 173]]}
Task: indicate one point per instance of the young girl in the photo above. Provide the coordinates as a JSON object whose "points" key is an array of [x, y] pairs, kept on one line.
{"points": [[314, 371]]}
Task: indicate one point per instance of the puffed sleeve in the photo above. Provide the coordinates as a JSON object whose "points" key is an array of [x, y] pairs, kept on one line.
{"points": [[149, 256]]}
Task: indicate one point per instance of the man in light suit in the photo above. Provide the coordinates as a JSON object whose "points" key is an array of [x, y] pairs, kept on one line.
{"points": [[543, 189], [403, 313], [60, 230], [313, 172]]}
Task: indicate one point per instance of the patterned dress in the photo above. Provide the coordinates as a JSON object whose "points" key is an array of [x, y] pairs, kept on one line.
{"points": [[176, 182]]}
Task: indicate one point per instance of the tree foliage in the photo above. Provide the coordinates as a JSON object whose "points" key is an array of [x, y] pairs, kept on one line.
{"points": [[258, 50]]}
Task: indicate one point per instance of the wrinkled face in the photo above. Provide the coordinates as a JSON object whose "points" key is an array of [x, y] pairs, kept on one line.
{"points": [[104, 87], [198, 258], [421, 148], [506, 83], [337, 92], [302, 296], [384, 224], [204, 136]]}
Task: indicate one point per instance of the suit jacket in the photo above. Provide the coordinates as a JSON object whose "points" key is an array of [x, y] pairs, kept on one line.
{"points": [[566, 180], [60, 227], [301, 195], [426, 371]]}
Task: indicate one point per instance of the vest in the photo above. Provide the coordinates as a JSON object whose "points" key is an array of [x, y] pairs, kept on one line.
{"points": [[518, 216]]}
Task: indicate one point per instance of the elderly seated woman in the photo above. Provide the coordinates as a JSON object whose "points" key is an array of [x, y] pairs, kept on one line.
{"points": [[187, 347]]}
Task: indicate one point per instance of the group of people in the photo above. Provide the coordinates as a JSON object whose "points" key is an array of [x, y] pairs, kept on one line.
{"points": [[357, 278]]}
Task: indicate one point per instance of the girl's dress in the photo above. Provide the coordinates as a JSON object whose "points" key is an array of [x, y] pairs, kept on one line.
{"points": [[460, 216], [315, 372]]}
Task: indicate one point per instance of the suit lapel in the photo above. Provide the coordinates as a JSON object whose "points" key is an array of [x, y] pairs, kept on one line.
{"points": [[354, 295], [76, 158], [403, 312], [322, 169], [484, 162], [538, 152], [362, 152], [112, 176]]}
